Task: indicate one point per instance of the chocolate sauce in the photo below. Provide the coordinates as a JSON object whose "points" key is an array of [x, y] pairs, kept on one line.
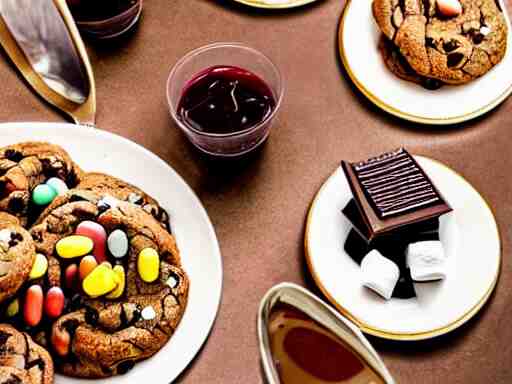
{"points": [[305, 352], [225, 99]]}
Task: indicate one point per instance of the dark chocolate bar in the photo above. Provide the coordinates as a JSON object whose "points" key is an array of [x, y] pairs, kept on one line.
{"points": [[392, 191]]}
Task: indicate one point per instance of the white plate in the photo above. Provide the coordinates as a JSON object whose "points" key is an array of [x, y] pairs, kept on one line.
{"points": [[471, 240], [358, 40], [276, 4], [96, 150]]}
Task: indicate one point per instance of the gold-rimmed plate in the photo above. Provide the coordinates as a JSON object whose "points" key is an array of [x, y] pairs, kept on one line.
{"points": [[275, 4], [358, 39], [469, 235]]}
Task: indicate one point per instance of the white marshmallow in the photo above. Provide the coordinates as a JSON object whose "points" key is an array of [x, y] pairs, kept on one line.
{"points": [[426, 260], [379, 274]]}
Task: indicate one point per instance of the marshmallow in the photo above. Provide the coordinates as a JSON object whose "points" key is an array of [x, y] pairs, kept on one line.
{"points": [[379, 274], [426, 260]]}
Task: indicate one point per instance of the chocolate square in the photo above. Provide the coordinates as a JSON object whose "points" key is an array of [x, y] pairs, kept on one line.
{"points": [[391, 192]]}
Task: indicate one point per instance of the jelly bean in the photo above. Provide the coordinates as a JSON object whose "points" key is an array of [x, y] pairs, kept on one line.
{"points": [[71, 277], [87, 265], [148, 265], [60, 340], [118, 243], [58, 185], [74, 246], [97, 234], [118, 291], [54, 302], [43, 194], [100, 281], [13, 308], [33, 308], [39, 267]]}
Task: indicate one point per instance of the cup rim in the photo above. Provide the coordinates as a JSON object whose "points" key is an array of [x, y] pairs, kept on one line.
{"points": [[135, 8], [208, 47]]}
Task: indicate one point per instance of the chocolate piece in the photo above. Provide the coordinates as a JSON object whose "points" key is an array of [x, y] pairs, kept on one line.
{"points": [[392, 192]]}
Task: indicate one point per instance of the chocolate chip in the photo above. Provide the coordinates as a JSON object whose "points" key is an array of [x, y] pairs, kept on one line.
{"points": [[454, 59], [13, 155], [16, 205], [429, 42], [71, 179], [13, 380], [16, 236], [102, 206], [431, 84], [450, 46], [125, 366], [135, 198], [70, 326], [91, 316], [76, 302], [478, 38], [498, 5], [38, 362], [4, 337]]}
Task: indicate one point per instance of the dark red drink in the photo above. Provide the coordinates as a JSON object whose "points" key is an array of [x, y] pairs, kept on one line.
{"points": [[225, 99]]}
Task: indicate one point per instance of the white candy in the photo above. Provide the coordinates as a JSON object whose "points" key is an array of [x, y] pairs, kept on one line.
{"points": [[485, 30], [379, 273], [426, 260], [148, 313], [111, 201], [449, 8], [5, 236], [58, 185]]}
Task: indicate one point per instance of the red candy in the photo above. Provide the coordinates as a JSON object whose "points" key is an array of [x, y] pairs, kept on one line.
{"points": [[33, 307], [97, 234], [54, 302], [71, 277]]}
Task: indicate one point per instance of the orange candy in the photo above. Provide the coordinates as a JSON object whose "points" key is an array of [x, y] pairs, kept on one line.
{"points": [[60, 340], [87, 265], [71, 277], [54, 302], [33, 307]]}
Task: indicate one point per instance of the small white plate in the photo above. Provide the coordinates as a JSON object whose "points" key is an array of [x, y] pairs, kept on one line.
{"points": [[276, 4], [358, 40], [96, 150], [472, 244]]}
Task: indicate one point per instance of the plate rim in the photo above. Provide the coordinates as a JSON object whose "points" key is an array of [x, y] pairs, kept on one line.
{"points": [[92, 130], [405, 115], [288, 5], [403, 336]]}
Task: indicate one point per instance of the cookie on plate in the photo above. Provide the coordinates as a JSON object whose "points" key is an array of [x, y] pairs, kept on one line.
{"points": [[125, 290], [106, 184], [25, 166], [17, 253], [22, 360], [453, 49]]}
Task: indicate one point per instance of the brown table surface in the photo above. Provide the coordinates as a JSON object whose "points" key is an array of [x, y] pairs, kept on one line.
{"points": [[259, 207]]}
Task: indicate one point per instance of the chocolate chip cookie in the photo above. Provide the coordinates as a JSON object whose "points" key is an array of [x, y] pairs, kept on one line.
{"points": [[17, 253], [126, 306], [106, 184], [21, 360], [25, 166], [454, 50]]}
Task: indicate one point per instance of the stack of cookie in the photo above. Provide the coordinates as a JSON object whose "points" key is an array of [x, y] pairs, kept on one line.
{"points": [[90, 275], [433, 42]]}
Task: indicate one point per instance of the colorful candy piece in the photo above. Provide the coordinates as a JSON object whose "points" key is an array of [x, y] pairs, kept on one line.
{"points": [[71, 277], [13, 308], [118, 243], [43, 194], [118, 291], [60, 340], [33, 307], [74, 246], [100, 281], [39, 267], [449, 8], [54, 302], [87, 265], [58, 185], [148, 265], [97, 234]]}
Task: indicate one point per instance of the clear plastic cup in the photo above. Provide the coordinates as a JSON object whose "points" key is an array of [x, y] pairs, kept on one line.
{"points": [[225, 54]]}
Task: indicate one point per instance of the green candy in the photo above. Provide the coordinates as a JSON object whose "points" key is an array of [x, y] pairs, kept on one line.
{"points": [[43, 194]]}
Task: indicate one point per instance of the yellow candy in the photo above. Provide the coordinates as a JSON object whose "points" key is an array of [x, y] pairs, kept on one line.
{"points": [[148, 265], [116, 293], [39, 267], [13, 308], [74, 246], [100, 281]]}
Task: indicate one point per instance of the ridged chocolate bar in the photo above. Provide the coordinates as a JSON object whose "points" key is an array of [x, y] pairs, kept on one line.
{"points": [[392, 191]]}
